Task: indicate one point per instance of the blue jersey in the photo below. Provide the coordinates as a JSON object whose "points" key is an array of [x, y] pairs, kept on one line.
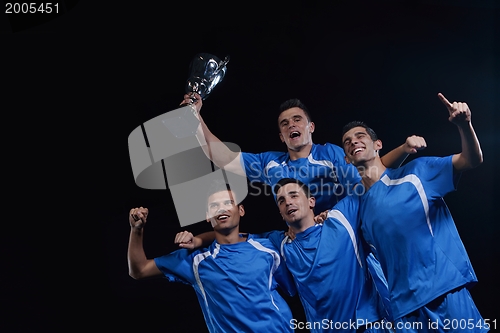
{"points": [[411, 231], [236, 285], [325, 171], [328, 264]]}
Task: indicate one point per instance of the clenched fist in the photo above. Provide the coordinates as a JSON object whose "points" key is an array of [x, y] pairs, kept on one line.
{"points": [[137, 217]]}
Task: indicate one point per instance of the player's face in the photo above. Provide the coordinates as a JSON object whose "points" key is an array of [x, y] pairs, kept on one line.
{"points": [[293, 203], [223, 212], [359, 147], [295, 128]]}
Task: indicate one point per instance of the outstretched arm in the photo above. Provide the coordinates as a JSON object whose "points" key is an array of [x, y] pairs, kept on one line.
{"points": [[396, 157], [214, 149], [471, 155], [139, 266]]}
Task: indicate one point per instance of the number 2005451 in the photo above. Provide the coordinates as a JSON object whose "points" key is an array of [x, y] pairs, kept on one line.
{"points": [[31, 8]]}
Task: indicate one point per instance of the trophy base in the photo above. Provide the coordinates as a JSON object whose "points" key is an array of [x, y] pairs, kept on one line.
{"points": [[182, 122]]}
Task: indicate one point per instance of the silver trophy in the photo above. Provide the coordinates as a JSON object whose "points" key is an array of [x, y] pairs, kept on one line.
{"points": [[205, 72]]}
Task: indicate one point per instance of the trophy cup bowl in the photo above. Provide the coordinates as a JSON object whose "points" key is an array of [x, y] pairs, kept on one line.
{"points": [[205, 72]]}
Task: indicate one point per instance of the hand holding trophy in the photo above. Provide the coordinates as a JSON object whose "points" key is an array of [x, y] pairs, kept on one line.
{"points": [[205, 72]]}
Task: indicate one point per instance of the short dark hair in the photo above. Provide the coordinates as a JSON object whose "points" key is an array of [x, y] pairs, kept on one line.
{"points": [[283, 181], [219, 185], [357, 123], [294, 103]]}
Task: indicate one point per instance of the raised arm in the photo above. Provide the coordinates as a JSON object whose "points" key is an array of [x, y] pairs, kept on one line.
{"points": [[214, 149], [396, 157], [471, 155], [139, 266]]}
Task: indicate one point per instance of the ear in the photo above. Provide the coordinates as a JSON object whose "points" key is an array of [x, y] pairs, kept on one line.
{"points": [[311, 127], [241, 210], [312, 202], [281, 137], [377, 145]]}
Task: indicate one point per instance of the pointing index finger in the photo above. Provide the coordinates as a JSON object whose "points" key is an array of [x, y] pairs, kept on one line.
{"points": [[444, 100]]}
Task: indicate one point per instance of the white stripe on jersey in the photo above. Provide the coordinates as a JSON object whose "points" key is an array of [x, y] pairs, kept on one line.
{"points": [[336, 214], [196, 262], [276, 263], [270, 165], [276, 257], [322, 162], [311, 160], [282, 246], [413, 179], [216, 250]]}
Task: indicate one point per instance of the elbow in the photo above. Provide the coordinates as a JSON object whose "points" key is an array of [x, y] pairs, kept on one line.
{"points": [[477, 161], [480, 158], [471, 164], [136, 275], [466, 162]]}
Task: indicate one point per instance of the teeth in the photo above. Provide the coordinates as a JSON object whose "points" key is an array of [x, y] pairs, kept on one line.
{"points": [[294, 134], [357, 150], [223, 217]]}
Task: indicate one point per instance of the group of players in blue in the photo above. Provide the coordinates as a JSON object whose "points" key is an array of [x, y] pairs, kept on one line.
{"points": [[371, 245]]}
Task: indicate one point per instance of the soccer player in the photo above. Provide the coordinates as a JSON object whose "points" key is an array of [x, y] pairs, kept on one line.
{"points": [[411, 231], [235, 278], [328, 261]]}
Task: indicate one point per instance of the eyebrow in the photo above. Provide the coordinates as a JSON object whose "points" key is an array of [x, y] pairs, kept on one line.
{"points": [[290, 192], [355, 134], [223, 200], [294, 116]]}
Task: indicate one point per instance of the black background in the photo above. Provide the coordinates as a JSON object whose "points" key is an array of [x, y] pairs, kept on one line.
{"points": [[78, 83]]}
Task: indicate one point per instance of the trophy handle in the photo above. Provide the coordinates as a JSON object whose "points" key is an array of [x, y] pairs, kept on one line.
{"points": [[193, 100]]}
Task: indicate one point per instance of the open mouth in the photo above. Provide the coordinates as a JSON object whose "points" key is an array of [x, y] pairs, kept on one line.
{"points": [[222, 217], [294, 135], [291, 211], [357, 150]]}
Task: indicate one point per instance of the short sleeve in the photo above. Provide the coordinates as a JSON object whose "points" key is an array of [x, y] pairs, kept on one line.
{"points": [[437, 173], [253, 166], [177, 266]]}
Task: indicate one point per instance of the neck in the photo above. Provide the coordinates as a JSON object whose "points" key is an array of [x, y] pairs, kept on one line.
{"points": [[231, 236], [371, 172], [303, 224], [300, 152]]}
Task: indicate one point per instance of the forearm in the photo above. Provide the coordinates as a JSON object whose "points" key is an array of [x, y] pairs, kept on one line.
{"points": [[471, 155], [204, 239], [217, 151], [136, 256], [395, 157]]}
